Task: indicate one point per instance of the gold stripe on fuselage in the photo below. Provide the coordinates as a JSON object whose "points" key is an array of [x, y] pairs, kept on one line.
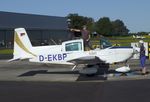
{"points": [[21, 45]]}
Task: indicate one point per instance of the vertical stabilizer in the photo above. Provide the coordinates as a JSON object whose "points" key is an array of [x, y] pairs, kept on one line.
{"points": [[22, 45]]}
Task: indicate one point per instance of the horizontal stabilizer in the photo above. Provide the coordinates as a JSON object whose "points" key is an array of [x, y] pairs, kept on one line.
{"points": [[14, 59], [18, 59]]}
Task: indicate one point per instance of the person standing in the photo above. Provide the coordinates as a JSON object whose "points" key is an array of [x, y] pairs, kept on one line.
{"points": [[142, 57], [86, 37]]}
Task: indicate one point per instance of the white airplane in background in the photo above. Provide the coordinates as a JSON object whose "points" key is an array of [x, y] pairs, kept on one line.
{"points": [[69, 52]]}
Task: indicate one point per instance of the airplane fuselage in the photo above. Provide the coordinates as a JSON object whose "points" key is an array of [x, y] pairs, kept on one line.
{"points": [[57, 56]]}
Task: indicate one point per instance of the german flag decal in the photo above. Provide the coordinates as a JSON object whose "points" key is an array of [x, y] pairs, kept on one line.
{"points": [[22, 34]]}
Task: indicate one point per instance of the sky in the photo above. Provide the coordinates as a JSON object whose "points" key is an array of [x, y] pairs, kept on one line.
{"points": [[134, 13]]}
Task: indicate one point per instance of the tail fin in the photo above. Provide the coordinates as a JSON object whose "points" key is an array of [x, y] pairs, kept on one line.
{"points": [[22, 45]]}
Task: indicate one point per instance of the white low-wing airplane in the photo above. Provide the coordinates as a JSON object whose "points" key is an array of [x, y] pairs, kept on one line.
{"points": [[69, 52]]}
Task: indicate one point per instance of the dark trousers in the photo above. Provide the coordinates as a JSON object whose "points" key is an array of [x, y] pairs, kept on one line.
{"points": [[142, 61], [87, 44]]}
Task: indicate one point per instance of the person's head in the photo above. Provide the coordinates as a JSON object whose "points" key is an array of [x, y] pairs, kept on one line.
{"points": [[141, 42]]}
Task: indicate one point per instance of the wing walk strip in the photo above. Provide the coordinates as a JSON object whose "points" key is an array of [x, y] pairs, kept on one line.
{"points": [[21, 45]]}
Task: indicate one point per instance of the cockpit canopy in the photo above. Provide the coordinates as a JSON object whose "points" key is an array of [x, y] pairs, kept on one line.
{"points": [[73, 45]]}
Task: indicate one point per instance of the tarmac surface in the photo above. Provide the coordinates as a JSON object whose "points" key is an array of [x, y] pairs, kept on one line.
{"points": [[26, 71], [109, 91], [31, 82]]}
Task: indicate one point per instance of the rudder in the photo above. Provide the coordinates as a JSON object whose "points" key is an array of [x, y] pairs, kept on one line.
{"points": [[22, 45]]}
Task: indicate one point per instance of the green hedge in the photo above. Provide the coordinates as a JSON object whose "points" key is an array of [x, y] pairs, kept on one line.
{"points": [[6, 51]]}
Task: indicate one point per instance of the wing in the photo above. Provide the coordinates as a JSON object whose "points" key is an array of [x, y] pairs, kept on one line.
{"points": [[86, 60]]}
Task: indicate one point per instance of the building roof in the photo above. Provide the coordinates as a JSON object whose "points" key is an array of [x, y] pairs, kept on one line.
{"points": [[9, 20]]}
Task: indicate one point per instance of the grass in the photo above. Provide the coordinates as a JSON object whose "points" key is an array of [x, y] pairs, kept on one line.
{"points": [[123, 40], [127, 41], [6, 51]]}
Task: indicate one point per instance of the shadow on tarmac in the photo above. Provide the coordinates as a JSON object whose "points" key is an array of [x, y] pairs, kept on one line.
{"points": [[103, 69], [32, 73], [82, 77]]}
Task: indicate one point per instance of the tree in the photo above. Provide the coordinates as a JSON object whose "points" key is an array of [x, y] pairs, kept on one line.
{"points": [[104, 26], [77, 21], [119, 28]]}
